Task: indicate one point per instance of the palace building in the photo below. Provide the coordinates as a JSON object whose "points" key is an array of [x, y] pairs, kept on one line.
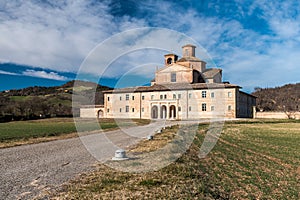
{"points": [[183, 89]]}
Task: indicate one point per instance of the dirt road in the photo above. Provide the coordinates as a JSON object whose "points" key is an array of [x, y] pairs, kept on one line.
{"points": [[28, 170]]}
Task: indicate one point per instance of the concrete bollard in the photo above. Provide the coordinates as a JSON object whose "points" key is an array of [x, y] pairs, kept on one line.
{"points": [[120, 154]]}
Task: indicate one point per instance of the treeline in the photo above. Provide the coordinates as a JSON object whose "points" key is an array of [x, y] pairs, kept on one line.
{"points": [[285, 98], [44, 102], [34, 108]]}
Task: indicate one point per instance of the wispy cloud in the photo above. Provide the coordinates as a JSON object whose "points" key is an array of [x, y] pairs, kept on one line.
{"points": [[34, 73], [8, 73], [44, 74]]}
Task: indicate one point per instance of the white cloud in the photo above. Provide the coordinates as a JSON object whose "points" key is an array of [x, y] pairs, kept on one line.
{"points": [[7, 73], [44, 74], [37, 34], [283, 17]]}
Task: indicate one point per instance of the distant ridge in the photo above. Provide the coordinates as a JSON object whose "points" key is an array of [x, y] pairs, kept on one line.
{"points": [[42, 90], [284, 98], [36, 102]]}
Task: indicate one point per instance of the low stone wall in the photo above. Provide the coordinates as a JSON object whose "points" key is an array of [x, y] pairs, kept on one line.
{"points": [[277, 115], [92, 112]]}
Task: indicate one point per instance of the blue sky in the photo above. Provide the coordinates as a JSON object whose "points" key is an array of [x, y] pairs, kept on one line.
{"points": [[256, 43]]}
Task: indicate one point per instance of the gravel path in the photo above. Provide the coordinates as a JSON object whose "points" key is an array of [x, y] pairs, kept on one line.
{"points": [[28, 170]]}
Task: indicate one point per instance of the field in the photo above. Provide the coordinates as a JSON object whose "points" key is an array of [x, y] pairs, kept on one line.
{"points": [[252, 160], [34, 131]]}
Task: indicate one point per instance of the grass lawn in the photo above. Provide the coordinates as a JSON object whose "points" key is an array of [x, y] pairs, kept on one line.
{"points": [[34, 131], [252, 160]]}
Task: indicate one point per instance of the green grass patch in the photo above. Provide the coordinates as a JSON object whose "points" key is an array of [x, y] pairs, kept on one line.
{"points": [[150, 182], [36, 128], [20, 98], [24, 130]]}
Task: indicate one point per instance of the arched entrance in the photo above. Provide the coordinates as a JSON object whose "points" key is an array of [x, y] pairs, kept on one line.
{"points": [[154, 112], [163, 112], [100, 114], [172, 114]]}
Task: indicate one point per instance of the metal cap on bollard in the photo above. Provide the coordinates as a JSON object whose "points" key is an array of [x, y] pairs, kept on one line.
{"points": [[150, 137], [120, 154]]}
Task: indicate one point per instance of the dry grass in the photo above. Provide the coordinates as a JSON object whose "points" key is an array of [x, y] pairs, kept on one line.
{"points": [[250, 161], [159, 141]]}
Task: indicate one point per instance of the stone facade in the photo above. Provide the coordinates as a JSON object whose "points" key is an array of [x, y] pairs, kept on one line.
{"points": [[183, 89]]}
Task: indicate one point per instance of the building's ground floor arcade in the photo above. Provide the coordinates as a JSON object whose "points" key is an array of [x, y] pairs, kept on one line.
{"points": [[163, 111]]}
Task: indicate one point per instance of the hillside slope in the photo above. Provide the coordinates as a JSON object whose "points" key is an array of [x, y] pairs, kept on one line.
{"points": [[35, 102], [285, 98]]}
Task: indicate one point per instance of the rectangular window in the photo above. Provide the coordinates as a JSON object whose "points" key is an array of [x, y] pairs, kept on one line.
{"points": [[212, 108], [161, 96], [190, 108], [127, 97], [152, 97], [203, 94], [120, 98], [229, 108], [143, 97], [229, 94], [212, 95], [132, 109], [107, 98], [190, 95], [179, 109], [179, 96], [108, 110], [204, 107], [142, 109], [127, 108], [165, 96], [120, 109], [132, 97], [186, 52], [174, 96], [173, 77]]}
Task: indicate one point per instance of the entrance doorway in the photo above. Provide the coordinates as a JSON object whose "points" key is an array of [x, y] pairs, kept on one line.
{"points": [[163, 112], [172, 114], [100, 114], [154, 112]]}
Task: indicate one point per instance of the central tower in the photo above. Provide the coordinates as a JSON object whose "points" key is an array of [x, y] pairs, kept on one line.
{"points": [[188, 50]]}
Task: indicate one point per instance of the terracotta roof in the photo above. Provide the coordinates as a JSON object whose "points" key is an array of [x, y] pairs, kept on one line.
{"points": [[173, 86], [210, 73], [185, 59], [170, 54], [188, 45]]}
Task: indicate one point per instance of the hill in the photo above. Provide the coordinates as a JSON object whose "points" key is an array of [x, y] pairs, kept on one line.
{"points": [[36, 102], [284, 98]]}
